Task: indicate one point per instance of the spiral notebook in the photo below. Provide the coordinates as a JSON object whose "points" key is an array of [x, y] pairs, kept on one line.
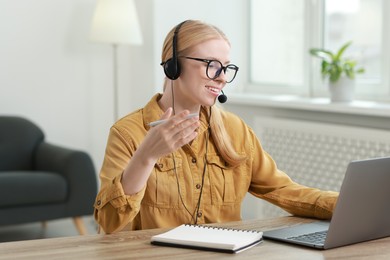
{"points": [[209, 238]]}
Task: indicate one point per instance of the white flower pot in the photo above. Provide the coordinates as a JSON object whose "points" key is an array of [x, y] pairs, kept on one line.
{"points": [[343, 90]]}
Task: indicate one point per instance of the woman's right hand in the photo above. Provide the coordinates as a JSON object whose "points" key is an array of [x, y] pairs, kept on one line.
{"points": [[160, 140], [170, 135]]}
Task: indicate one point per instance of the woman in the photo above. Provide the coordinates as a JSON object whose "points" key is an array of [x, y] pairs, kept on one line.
{"points": [[192, 169]]}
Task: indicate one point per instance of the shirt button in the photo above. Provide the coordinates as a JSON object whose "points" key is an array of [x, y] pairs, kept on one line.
{"points": [[198, 186], [194, 160], [199, 214], [98, 202]]}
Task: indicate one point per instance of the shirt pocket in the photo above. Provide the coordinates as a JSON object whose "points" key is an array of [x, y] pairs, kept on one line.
{"points": [[162, 186], [222, 184]]}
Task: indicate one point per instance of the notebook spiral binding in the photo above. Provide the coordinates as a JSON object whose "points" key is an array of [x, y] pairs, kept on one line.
{"points": [[223, 228]]}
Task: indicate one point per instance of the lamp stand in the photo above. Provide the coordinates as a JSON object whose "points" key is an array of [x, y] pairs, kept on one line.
{"points": [[115, 79]]}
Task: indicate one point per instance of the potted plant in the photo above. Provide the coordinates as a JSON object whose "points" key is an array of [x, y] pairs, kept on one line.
{"points": [[339, 71]]}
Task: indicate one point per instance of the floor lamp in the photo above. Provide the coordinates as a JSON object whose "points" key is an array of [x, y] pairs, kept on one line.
{"points": [[115, 22]]}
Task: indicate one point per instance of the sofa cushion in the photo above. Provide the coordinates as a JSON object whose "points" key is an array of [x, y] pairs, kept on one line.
{"points": [[19, 138], [21, 188]]}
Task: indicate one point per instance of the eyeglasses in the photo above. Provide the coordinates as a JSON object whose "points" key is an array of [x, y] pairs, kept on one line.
{"points": [[215, 67]]}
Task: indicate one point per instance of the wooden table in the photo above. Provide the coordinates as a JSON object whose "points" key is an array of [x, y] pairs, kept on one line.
{"points": [[136, 245]]}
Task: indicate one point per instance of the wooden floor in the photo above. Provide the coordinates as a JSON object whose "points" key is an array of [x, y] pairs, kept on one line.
{"points": [[54, 228]]}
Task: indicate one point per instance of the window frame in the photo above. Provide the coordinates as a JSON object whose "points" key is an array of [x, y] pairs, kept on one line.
{"points": [[313, 86]]}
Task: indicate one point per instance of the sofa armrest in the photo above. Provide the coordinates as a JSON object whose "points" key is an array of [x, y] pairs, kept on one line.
{"points": [[77, 167]]}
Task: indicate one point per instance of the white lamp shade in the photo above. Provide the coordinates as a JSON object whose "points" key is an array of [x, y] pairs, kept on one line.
{"points": [[116, 22]]}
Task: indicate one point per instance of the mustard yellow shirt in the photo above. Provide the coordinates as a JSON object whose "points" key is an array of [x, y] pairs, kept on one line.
{"points": [[172, 192]]}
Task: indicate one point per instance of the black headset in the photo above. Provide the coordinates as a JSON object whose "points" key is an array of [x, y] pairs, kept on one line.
{"points": [[172, 65]]}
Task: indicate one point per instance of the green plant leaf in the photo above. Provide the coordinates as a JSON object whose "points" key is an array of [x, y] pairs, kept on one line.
{"points": [[342, 49], [323, 54], [335, 73], [360, 70], [350, 63], [350, 73], [333, 66]]}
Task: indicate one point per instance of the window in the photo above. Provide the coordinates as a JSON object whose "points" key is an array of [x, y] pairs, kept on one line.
{"points": [[283, 31]]}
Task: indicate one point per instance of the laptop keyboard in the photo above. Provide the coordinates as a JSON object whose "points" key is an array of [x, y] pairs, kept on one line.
{"points": [[317, 238]]}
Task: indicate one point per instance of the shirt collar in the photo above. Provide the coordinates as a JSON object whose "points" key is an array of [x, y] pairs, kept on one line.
{"points": [[152, 112]]}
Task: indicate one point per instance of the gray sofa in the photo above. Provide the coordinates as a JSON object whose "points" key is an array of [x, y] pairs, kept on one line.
{"points": [[41, 181]]}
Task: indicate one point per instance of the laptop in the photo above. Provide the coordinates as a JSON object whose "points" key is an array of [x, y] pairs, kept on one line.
{"points": [[362, 211]]}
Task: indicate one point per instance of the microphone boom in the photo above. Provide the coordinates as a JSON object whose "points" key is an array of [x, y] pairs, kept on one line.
{"points": [[222, 98]]}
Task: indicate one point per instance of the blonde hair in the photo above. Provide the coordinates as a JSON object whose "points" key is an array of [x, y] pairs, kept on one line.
{"points": [[192, 33]]}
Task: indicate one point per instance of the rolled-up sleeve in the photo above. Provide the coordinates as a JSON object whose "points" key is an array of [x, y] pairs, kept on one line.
{"points": [[113, 208]]}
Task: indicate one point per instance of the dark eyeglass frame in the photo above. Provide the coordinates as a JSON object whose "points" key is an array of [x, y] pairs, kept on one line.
{"points": [[223, 68]]}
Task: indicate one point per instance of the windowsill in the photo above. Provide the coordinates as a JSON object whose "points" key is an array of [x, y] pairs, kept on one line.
{"points": [[356, 107]]}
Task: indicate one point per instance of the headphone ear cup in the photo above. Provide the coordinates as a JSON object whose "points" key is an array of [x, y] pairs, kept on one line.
{"points": [[172, 69]]}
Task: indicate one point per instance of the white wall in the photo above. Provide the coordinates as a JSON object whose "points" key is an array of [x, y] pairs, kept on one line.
{"points": [[52, 74]]}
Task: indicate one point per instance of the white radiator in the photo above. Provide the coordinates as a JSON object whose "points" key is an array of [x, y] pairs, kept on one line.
{"points": [[313, 154]]}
